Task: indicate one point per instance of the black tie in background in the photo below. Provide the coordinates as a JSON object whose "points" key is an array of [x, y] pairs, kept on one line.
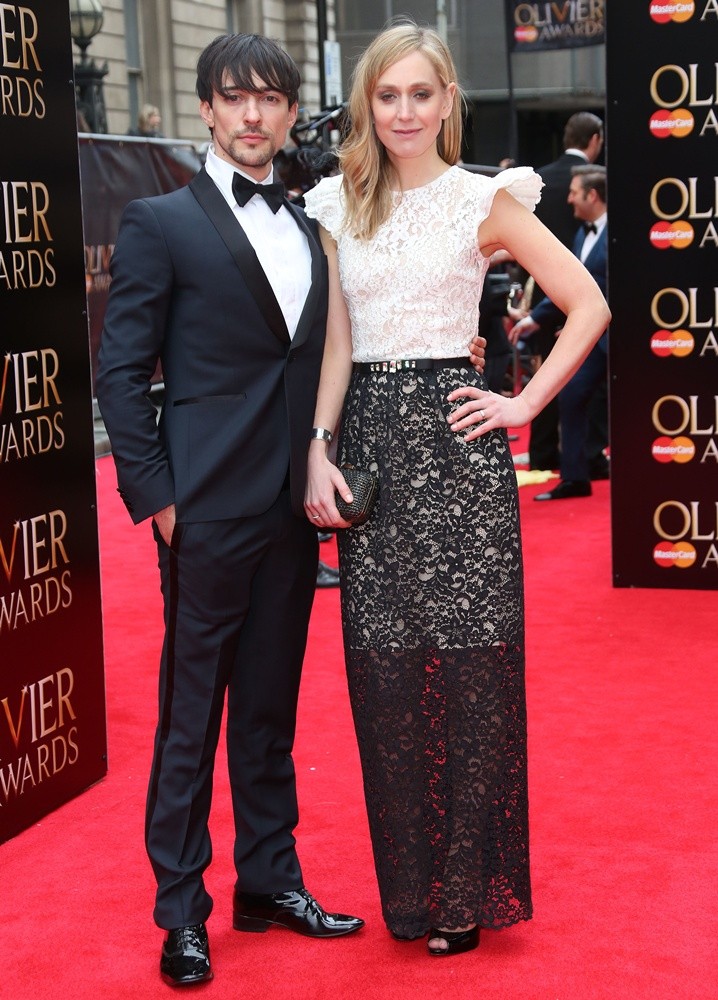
{"points": [[243, 189], [589, 227]]}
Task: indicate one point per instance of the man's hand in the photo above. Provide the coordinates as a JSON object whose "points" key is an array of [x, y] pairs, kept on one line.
{"points": [[523, 326], [165, 520], [477, 353]]}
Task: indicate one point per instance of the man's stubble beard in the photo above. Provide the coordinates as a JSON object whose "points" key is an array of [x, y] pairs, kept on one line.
{"points": [[259, 157]]}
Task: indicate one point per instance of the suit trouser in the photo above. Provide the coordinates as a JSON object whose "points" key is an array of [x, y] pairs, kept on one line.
{"points": [[544, 433], [574, 400], [238, 595]]}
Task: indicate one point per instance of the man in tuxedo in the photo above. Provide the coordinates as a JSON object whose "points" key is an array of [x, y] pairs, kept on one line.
{"points": [[227, 288], [587, 198], [582, 144]]}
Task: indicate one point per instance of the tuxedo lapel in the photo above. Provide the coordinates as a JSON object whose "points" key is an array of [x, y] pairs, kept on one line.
{"points": [[598, 249], [235, 239], [317, 283]]}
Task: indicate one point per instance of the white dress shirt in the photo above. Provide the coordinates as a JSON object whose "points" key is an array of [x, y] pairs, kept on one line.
{"points": [[591, 238], [278, 242]]}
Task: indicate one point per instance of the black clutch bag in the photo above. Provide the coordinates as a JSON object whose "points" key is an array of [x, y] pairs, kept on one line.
{"points": [[365, 489]]}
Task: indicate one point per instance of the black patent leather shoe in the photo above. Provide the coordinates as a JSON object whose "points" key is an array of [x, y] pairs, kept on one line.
{"points": [[567, 489], [327, 576], [298, 911], [185, 956]]}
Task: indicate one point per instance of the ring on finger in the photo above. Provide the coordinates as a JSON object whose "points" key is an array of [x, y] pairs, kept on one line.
{"points": [[482, 414], [316, 516]]}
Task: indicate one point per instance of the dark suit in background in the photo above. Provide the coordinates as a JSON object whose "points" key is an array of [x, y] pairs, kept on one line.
{"points": [[574, 398], [582, 144], [557, 215]]}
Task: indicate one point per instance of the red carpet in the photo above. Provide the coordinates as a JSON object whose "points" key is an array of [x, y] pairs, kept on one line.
{"points": [[623, 741]]}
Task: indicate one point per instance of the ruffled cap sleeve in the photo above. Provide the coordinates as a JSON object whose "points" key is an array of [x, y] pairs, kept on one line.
{"points": [[325, 204], [521, 182]]}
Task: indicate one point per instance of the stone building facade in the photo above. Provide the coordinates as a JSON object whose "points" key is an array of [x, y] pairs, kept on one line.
{"points": [[151, 48]]}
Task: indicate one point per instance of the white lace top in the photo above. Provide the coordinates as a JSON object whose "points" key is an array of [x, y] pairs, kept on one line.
{"points": [[413, 290]]}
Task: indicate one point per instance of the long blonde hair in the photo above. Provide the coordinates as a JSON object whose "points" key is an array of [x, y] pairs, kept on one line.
{"points": [[368, 173]]}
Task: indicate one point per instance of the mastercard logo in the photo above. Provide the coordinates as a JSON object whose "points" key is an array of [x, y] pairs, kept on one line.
{"points": [[662, 13], [526, 33], [679, 449], [671, 235], [681, 555], [672, 343], [678, 124]]}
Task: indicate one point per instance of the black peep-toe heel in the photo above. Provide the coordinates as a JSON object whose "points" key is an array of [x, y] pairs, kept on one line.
{"points": [[457, 941]]}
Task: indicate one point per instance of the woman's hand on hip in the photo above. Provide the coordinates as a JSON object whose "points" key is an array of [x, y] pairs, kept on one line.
{"points": [[480, 411]]}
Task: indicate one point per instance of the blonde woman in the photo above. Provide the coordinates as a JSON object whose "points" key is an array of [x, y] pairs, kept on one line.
{"points": [[432, 593]]}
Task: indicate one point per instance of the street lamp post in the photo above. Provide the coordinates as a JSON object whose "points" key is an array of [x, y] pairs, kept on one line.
{"points": [[86, 17]]}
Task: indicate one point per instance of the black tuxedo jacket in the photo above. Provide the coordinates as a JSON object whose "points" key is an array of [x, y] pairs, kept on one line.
{"points": [[187, 289], [553, 209]]}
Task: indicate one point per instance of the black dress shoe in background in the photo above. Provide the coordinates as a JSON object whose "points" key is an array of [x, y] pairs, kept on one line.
{"points": [[327, 576], [599, 468], [297, 910], [567, 489], [185, 956]]}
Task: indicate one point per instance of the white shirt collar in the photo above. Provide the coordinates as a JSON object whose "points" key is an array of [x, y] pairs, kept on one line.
{"points": [[222, 173], [600, 222], [577, 152]]}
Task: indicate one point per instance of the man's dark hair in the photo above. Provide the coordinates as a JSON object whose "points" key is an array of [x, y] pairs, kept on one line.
{"points": [[593, 178], [580, 129], [240, 60]]}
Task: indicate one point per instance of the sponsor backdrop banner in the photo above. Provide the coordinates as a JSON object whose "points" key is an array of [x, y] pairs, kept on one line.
{"points": [[113, 171], [561, 24], [52, 701], [662, 148]]}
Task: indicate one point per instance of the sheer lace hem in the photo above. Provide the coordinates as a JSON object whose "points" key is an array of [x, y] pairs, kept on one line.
{"points": [[442, 741]]}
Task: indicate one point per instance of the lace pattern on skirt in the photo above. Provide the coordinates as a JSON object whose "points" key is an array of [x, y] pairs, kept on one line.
{"points": [[432, 606]]}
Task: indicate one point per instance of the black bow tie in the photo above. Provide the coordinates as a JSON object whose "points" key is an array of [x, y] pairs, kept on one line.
{"points": [[589, 227], [243, 189]]}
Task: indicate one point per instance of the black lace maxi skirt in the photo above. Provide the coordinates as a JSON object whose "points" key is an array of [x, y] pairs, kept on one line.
{"points": [[433, 620]]}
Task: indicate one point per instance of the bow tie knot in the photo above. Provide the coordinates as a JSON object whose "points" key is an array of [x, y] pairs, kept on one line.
{"points": [[589, 227], [243, 189]]}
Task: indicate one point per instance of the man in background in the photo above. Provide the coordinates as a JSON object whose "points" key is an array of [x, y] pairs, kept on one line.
{"points": [[587, 200], [582, 145]]}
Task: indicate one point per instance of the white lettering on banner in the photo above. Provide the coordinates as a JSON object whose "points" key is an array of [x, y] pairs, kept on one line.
{"points": [[689, 521], [688, 311], [687, 199], [41, 717], [688, 419], [542, 15], [688, 86], [28, 384], [20, 96], [18, 34], [25, 205]]}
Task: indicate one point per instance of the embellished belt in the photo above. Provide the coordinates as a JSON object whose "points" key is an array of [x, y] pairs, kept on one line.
{"points": [[420, 364]]}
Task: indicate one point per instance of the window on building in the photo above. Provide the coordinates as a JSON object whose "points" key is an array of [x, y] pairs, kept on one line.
{"points": [[371, 15], [134, 60]]}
